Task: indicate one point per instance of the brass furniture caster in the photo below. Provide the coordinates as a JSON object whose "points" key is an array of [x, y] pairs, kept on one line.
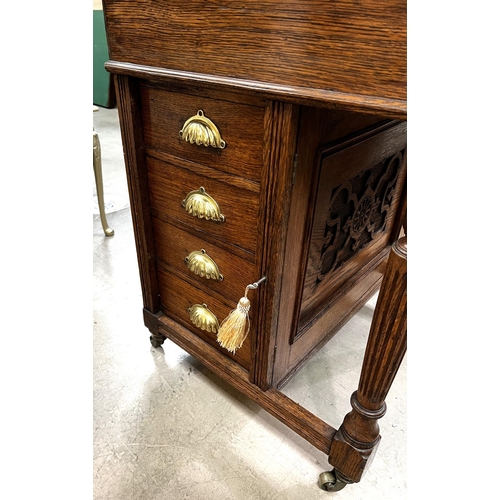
{"points": [[328, 481]]}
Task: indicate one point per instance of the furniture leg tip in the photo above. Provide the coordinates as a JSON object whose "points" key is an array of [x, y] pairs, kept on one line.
{"points": [[155, 342], [328, 481]]}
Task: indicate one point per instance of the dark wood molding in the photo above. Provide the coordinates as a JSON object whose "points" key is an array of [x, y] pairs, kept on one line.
{"points": [[127, 92], [281, 125], [399, 229], [383, 107]]}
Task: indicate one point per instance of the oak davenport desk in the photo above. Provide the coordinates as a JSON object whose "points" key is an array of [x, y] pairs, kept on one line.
{"points": [[265, 142]]}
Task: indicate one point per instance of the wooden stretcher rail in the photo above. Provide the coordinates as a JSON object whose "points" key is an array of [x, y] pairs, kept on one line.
{"points": [[297, 418]]}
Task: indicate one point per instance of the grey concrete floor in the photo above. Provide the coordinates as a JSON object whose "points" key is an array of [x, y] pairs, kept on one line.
{"points": [[165, 427]]}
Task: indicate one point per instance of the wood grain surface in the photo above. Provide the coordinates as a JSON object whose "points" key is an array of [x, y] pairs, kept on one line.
{"points": [[174, 244], [349, 46], [281, 124], [135, 164], [350, 166], [241, 127], [289, 182], [169, 186], [357, 440], [178, 295]]}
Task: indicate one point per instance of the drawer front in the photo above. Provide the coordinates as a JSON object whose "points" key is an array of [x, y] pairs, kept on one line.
{"points": [[174, 246], [177, 297], [240, 127], [169, 186]]}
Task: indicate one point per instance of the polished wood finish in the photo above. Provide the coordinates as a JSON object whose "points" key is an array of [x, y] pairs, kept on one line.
{"points": [[359, 186], [174, 244], [351, 165], [281, 123], [169, 186], [355, 443], [178, 294], [133, 147], [332, 99], [345, 46], [310, 99], [240, 125]]}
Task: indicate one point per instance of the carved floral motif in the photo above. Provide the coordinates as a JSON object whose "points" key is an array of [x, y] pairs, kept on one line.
{"points": [[357, 212]]}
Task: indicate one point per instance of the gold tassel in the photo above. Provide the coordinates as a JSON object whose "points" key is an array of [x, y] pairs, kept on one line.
{"points": [[234, 329]]}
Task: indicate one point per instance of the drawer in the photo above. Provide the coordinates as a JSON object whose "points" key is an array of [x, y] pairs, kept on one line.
{"points": [[241, 127], [173, 246], [177, 297], [169, 186]]}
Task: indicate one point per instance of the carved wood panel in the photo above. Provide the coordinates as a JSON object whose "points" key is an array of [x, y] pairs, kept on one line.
{"points": [[360, 183], [357, 212]]}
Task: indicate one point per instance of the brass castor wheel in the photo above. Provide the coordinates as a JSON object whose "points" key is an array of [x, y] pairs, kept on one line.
{"points": [[328, 481]]}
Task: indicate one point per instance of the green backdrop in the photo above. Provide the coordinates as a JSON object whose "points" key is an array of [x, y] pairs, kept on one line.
{"points": [[103, 93]]}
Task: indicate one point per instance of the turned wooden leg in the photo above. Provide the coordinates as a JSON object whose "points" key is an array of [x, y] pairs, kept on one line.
{"points": [[355, 443]]}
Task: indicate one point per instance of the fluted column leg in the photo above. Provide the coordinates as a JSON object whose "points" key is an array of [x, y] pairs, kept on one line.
{"points": [[356, 442]]}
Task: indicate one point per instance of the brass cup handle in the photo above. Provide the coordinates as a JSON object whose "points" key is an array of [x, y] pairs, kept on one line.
{"points": [[200, 204], [201, 264], [201, 130], [202, 317]]}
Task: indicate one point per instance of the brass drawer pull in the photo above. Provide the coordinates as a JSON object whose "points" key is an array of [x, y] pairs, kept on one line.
{"points": [[200, 204], [200, 263], [202, 317], [201, 130]]}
